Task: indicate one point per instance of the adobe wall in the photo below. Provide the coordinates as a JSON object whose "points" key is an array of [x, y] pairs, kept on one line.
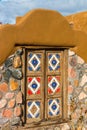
{"points": [[43, 27]]}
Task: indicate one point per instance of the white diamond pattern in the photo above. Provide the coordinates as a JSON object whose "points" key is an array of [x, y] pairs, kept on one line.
{"points": [[54, 112], [30, 62], [30, 85], [30, 108], [57, 62], [50, 84]]}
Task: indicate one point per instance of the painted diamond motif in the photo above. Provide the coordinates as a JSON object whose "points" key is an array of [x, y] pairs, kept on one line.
{"points": [[34, 85], [34, 62], [53, 84], [33, 109], [54, 61], [53, 107]]}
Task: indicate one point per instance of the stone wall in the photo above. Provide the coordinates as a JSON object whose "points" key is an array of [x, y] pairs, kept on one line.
{"points": [[11, 95], [10, 88], [77, 91]]}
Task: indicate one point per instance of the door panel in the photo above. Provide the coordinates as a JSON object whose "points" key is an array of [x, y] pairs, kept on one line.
{"points": [[53, 84], [35, 86], [34, 111]]}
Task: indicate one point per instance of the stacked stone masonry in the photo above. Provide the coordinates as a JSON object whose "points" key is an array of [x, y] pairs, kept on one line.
{"points": [[77, 91], [11, 95], [10, 88]]}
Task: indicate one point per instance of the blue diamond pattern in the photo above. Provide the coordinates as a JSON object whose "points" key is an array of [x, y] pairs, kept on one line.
{"points": [[54, 84], [31, 113], [54, 60], [34, 62], [53, 107]]}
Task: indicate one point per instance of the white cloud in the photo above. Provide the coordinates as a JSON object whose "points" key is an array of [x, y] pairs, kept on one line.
{"points": [[10, 9]]}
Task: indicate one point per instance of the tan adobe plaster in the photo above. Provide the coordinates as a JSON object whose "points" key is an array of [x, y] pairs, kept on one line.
{"points": [[79, 21], [40, 27]]}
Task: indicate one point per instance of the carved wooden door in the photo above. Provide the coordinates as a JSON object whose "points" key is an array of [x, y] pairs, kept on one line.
{"points": [[45, 95]]}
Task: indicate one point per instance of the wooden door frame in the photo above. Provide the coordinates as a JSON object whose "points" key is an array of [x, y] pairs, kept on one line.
{"points": [[65, 79]]}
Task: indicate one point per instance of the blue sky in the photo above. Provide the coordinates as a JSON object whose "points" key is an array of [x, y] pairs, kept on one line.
{"points": [[10, 9]]}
